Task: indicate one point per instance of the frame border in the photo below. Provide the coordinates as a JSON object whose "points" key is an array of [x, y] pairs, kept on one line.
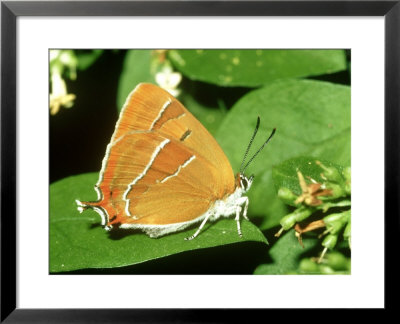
{"points": [[10, 10]]}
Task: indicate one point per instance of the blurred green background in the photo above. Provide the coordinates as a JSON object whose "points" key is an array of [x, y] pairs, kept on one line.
{"points": [[305, 94]]}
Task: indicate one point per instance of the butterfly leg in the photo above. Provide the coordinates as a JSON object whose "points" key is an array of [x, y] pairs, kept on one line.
{"points": [[242, 201], [246, 206], [199, 229], [237, 219]]}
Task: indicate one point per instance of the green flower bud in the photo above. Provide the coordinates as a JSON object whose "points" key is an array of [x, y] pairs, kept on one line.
{"points": [[347, 188], [331, 173], [298, 215], [335, 222], [334, 218], [347, 177], [330, 241], [337, 191], [308, 266], [288, 221], [326, 269], [341, 203], [302, 213], [347, 232], [286, 195], [347, 174], [338, 261]]}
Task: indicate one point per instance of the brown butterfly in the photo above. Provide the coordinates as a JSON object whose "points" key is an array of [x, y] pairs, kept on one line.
{"points": [[163, 171]]}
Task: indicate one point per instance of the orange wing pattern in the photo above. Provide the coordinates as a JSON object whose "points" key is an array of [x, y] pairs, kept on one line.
{"points": [[150, 108], [161, 166]]}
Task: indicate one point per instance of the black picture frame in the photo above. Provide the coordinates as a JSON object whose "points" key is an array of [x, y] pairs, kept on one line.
{"points": [[11, 10]]}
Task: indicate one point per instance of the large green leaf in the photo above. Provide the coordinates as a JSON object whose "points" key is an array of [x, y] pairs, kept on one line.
{"points": [[77, 241], [307, 114], [252, 68], [210, 117], [328, 148]]}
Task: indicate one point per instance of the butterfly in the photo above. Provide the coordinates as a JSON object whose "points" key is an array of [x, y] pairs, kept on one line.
{"points": [[163, 171]]}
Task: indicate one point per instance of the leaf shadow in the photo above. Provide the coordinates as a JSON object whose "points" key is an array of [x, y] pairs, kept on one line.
{"points": [[119, 233], [94, 225], [230, 259]]}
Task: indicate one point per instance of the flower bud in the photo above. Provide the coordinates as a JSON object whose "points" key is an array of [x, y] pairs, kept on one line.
{"points": [[302, 213], [298, 215], [308, 266], [347, 232], [338, 261], [286, 195], [331, 173], [288, 221], [335, 222], [337, 191], [330, 241], [347, 176]]}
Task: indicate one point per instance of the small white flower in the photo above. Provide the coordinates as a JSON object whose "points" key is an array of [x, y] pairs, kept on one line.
{"points": [[169, 80], [59, 95], [54, 54]]}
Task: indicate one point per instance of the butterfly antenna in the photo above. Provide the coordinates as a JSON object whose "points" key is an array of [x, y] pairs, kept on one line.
{"points": [[251, 142], [259, 150]]}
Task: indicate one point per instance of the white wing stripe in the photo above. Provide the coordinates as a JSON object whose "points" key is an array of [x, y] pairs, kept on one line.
{"points": [[160, 113], [140, 176], [179, 169]]}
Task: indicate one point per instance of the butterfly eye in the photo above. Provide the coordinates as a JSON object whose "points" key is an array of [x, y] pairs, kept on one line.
{"points": [[244, 182]]}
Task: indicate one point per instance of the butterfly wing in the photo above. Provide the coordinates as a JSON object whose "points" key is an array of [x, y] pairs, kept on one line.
{"points": [[162, 166], [151, 108]]}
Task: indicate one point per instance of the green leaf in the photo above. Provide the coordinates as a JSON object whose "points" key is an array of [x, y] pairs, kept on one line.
{"points": [[285, 174], [307, 115], [77, 241], [136, 69], [252, 68], [210, 117], [286, 254], [329, 148]]}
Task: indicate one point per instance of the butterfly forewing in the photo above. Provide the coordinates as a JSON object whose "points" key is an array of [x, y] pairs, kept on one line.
{"points": [[151, 108]]}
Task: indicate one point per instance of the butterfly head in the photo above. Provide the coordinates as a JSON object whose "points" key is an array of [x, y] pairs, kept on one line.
{"points": [[244, 182]]}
